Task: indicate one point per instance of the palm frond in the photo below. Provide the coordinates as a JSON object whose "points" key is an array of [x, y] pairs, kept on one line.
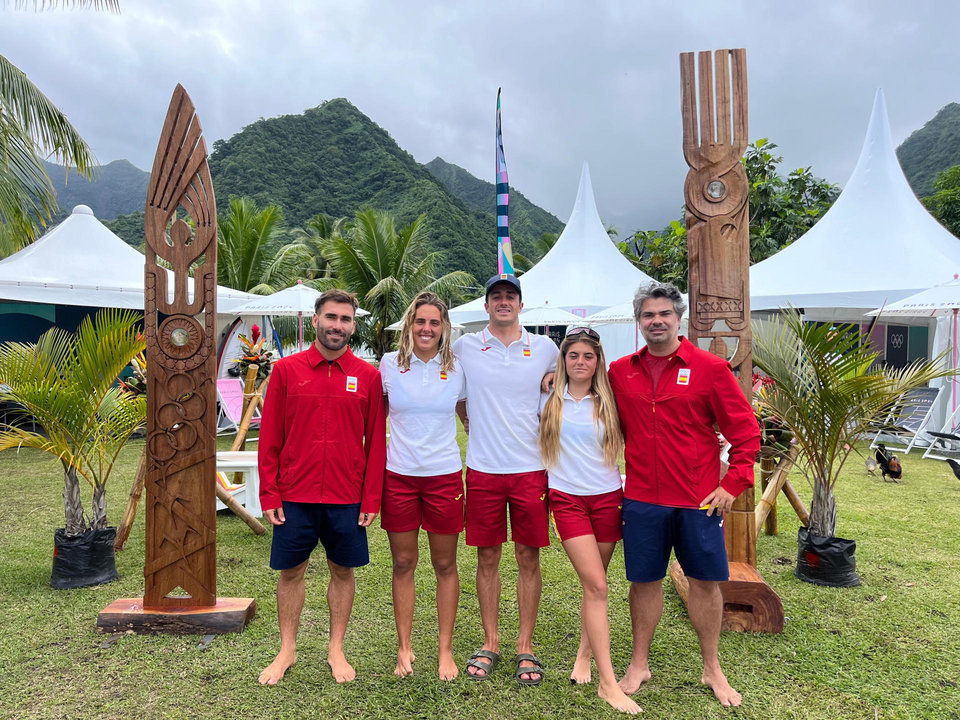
{"points": [[42, 120]]}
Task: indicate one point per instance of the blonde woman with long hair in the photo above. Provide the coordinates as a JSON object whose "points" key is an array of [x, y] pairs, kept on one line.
{"points": [[423, 484], [580, 441]]}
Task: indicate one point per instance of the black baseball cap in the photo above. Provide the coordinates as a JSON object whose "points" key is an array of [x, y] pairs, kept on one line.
{"points": [[506, 278]]}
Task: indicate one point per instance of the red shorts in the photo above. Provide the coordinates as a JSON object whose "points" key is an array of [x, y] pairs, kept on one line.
{"points": [[433, 502], [597, 515], [487, 498]]}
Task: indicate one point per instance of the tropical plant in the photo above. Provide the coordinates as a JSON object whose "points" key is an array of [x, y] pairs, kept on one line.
{"points": [[826, 394], [67, 383], [944, 204], [661, 255], [248, 248], [31, 129], [538, 249], [386, 268], [307, 251], [781, 208]]}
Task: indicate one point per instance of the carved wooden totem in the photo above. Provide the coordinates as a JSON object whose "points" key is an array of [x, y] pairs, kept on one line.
{"points": [[718, 240], [716, 189], [180, 564]]}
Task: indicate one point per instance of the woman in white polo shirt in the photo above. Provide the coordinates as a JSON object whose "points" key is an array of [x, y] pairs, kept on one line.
{"points": [[423, 486], [580, 441]]}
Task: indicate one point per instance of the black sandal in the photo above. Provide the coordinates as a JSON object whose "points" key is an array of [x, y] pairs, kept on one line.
{"points": [[488, 665], [536, 669]]}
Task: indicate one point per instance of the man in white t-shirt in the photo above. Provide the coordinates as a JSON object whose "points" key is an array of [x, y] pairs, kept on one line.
{"points": [[504, 365]]}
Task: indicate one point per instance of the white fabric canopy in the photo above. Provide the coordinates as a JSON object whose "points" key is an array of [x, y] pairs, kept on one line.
{"points": [[583, 272], [80, 262], [942, 302], [296, 300], [548, 316], [876, 244]]}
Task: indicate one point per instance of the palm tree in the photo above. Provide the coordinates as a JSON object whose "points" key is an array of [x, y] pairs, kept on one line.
{"points": [[248, 249], [826, 395], [31, 130], [67, 383], [386, 268], [310, 243], [539, 248]]}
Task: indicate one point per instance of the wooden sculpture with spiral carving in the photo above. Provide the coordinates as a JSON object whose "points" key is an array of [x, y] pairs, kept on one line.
{"points": [[181, 229]]}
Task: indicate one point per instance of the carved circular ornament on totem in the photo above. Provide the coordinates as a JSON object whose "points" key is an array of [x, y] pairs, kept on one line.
{"points": [[180, 337], [709, 194]]}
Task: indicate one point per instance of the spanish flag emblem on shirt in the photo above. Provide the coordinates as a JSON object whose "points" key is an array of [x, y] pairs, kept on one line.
{"points": [[443, 375], [526, 352], [351, 383]]}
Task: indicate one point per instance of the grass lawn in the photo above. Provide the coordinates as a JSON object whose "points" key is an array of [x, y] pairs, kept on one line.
{"points": [[888, 649]]}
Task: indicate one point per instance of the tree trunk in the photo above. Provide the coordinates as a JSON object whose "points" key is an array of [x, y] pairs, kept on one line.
{"points": [[823, 510], [99, 519], [72, 505]]}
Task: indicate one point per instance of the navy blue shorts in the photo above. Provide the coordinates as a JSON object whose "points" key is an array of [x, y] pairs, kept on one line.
{"points": [[334, 526], [651, 531]]}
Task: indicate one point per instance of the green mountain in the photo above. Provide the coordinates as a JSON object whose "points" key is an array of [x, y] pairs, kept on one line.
{"points": [[527, 220], [118, 188], [932, 149], [333, 159]]}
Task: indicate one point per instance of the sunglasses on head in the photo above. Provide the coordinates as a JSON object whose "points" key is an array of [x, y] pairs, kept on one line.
{"points": [[589, 332]]}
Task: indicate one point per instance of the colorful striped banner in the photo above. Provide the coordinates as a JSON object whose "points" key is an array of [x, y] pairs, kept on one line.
{"points": [[504, 250]]}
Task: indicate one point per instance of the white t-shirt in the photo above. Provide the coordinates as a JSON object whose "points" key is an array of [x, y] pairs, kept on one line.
{"points": [[503, 399], [423, 424], [580, 468]]}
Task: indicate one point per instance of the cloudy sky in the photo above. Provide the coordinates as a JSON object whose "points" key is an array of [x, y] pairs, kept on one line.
{"points": [[596, 81]]}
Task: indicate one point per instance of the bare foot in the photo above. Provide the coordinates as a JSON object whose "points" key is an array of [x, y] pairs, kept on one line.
{"points": [[633, 678], [448, 669], [405, 660], [618, 700], [274, 672], [717, 682], [581, 670], [341, 669]]}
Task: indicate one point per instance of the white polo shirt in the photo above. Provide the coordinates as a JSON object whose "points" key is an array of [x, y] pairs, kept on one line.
{"points": [[423, 424], [580, 468], [503, 399]]}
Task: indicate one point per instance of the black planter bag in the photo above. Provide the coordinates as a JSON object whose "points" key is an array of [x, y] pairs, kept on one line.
{"points": [[82, 560], [826, 560]]}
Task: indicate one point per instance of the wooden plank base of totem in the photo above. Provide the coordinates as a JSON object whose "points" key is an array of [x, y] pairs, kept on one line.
{"points": [[749, 603], [229, 615]]}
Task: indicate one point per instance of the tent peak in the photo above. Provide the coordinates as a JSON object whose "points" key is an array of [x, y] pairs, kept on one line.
{"points": [[82, 210]]}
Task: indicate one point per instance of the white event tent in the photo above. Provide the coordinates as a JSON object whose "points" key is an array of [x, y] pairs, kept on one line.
{"points": [[81, 263], [583, 273], [876, 245]]}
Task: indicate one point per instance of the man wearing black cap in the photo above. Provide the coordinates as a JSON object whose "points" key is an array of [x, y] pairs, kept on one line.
{"points": [[503, 365]]}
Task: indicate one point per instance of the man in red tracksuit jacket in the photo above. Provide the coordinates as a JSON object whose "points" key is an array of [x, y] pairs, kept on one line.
{"points": [[670, 397], [322, 454]]}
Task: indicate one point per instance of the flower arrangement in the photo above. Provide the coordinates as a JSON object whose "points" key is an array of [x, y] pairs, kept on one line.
{"points": [[136, 383], [775, 438], [256, 351]]}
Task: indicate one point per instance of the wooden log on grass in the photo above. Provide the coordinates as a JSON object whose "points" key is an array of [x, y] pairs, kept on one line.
{"points": [[791, 494], [768, 464], [774, 481], [239, 510], [749, 603], [123, 530]]}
